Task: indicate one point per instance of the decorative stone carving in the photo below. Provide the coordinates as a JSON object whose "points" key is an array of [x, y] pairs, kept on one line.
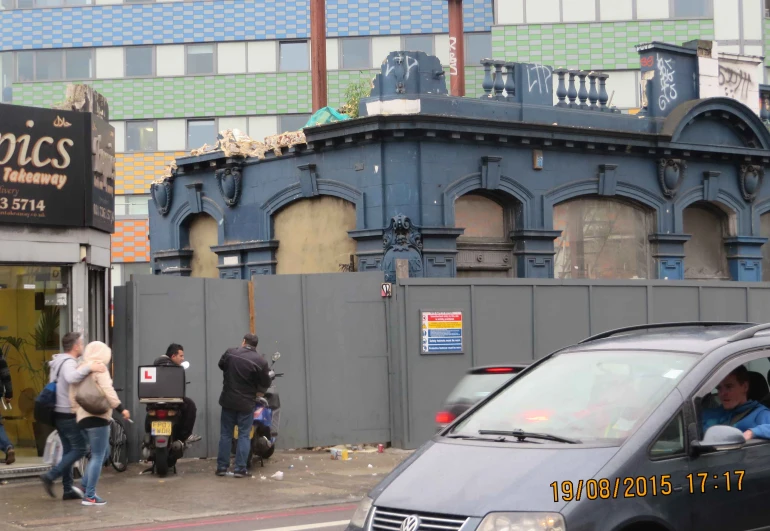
{"points": [[750, 179], [402, 241], [671, 173], [229, 183], [162, 192]]}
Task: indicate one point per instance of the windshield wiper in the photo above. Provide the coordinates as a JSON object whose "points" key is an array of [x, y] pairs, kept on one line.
{"points": [[500, 438], [520, 434]]}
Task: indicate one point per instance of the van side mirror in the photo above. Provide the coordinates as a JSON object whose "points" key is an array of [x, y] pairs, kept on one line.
{"points": [[720, 438]]}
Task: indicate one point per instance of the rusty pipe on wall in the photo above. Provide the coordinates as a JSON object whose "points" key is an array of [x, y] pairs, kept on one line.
{"points": [[318, 53], [456, 48]]}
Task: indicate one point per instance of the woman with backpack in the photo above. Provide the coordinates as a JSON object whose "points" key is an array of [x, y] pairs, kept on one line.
{"points": [[94, 400]]}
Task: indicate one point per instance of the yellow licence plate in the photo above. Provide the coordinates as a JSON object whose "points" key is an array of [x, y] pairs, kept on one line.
{"points": [[161, 428]]}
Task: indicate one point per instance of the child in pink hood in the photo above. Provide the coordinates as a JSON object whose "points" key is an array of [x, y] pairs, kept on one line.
{"points": [[97, 426]]}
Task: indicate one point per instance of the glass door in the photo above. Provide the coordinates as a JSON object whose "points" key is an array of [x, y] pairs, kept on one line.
{"points": [[34, 315]]}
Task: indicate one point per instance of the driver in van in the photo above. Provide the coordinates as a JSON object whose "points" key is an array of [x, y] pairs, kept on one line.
{"points": [[175, 356], [749, 416]]}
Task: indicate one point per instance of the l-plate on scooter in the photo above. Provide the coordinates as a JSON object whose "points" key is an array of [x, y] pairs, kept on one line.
{"points": [[162, 388]]}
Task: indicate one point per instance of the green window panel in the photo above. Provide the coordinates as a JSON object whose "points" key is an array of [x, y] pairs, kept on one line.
{"points": [[597, 46]]}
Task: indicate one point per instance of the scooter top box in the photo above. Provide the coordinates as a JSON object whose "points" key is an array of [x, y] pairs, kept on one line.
{"points": [[161, 383]]}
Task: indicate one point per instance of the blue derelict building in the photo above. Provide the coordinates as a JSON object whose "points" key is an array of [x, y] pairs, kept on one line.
{"points": [[539, 177]]}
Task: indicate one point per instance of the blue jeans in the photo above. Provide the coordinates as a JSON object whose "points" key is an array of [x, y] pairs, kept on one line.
{"points": [[99, 439], [5, 442], [73, 444], [228, 420]]}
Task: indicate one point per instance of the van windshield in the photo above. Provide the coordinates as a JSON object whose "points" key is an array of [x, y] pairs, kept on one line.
{"points": [[590, 396]]}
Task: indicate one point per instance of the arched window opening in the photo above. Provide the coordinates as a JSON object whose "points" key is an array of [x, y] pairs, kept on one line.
{"points": [[485, 248], [201, 232], [313, 236], [705, 257], [602, 238]]}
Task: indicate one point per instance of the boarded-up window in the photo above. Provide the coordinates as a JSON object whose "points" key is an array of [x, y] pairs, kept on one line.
{"points": [[764, 229], [602, 238], [704, 255], [204, 235], [313, 235], [485, 248]]}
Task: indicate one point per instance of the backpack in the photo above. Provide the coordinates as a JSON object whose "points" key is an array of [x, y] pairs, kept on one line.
{"points": [[90, 396], [45, 403]]}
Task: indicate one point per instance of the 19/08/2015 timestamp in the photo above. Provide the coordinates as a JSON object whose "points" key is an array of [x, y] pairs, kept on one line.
{"points": [[641, 486]]}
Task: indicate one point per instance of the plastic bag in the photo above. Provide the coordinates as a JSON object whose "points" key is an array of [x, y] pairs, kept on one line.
{"points": [[327, 115], [53, 449]]}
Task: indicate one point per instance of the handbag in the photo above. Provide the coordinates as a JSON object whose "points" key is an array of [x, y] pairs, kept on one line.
{"points": [[90, 396], [45, 403]]}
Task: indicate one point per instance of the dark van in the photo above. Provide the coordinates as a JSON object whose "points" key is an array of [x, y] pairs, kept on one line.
{"points": [[653, 427]]}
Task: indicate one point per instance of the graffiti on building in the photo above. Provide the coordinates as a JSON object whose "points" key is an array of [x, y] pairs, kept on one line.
{"points": [[735, 82], [539, 76], [404, 65], [452, 56], [666, 73]]}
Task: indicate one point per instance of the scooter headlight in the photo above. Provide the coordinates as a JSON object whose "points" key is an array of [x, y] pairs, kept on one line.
{"points": [[523, 522], [359, 517]]}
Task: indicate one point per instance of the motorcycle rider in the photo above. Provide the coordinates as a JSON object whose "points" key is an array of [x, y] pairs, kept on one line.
{"points": [[184, 430]]}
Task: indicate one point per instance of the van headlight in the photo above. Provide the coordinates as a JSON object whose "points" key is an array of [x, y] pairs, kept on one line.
{"points": [[359, 517], [523, 522]]}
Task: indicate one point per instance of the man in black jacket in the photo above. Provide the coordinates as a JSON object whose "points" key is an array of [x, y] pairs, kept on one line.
{"points": [[184, 430], [6, 390], [246, 373]]}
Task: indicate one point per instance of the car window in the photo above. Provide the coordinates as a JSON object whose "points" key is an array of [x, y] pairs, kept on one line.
{"points": [[671, 441], [474, 387], [592, 396]]}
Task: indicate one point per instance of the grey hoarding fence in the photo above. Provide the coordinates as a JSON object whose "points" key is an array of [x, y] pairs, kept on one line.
{"points": [[362, 366], [520, 320]]}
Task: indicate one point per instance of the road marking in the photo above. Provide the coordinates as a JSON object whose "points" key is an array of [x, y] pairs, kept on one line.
{"points": [[308, 526]]}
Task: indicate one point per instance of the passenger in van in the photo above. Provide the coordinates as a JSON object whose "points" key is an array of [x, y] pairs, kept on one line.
{"points": [[749, 416]]}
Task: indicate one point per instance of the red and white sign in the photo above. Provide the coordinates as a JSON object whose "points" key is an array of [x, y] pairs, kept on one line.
{"points": [[148, 375]]}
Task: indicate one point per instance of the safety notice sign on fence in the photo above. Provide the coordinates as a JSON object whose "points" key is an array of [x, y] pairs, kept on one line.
{"points": [[442, 332]]}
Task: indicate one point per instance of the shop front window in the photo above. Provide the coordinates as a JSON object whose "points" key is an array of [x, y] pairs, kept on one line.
{"points": [[34, 315]]}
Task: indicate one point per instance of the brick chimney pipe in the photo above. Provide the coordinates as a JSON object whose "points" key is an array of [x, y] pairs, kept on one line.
{"points": [[456, 48], [318, 53]]}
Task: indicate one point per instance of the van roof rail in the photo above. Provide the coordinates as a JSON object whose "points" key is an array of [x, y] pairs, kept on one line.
{"points": [[610, 333], [748, 333]]}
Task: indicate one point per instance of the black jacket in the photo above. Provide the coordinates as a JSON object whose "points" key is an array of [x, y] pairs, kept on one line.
{"points": [[164, 360], [6, 389], [245, 373]]}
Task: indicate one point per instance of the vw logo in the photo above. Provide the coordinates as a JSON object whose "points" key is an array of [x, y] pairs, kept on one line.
{"points": [[412, 523]]}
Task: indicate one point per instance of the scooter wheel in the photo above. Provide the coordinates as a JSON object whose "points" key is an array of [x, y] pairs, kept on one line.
{"points": [[269, 453], [161, 461]]}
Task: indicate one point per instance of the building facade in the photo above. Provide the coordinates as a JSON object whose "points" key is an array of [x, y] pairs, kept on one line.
{"points": [[178, 72], [56, 220], [505, 185]]}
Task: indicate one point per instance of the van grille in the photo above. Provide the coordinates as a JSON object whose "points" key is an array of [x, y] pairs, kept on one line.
{"points": [[391, 519]]}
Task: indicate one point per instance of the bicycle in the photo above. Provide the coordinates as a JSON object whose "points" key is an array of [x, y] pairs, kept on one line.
{"points": [[118, 454]]}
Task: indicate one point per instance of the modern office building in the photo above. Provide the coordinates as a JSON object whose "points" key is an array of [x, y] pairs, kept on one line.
{"points": [[177, 72]]}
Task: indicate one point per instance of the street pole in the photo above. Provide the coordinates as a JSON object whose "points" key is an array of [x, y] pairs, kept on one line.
{"points": [[318, 53], [456, 48]]}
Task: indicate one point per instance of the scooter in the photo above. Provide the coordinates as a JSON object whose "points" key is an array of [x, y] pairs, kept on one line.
{"points": [[264, 430], [159, 445]]}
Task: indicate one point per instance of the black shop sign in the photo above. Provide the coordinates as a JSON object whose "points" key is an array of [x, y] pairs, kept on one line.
{"points": [[57, 168]]}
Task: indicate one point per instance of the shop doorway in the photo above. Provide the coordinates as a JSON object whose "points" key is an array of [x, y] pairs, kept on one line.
{"points": [[34, 315]]}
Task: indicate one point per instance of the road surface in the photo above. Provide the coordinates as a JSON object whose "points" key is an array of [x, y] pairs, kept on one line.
{"points": [[323, 518]]}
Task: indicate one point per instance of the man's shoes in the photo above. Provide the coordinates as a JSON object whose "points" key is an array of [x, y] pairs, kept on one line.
{"points": [[74, 494], [47, 485], [10, 456], [193, 439], [240, 474], [222, 472], [96, 500]]}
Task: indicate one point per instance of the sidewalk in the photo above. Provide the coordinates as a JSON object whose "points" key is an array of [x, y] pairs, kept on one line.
{"points": [[310, 478]]}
